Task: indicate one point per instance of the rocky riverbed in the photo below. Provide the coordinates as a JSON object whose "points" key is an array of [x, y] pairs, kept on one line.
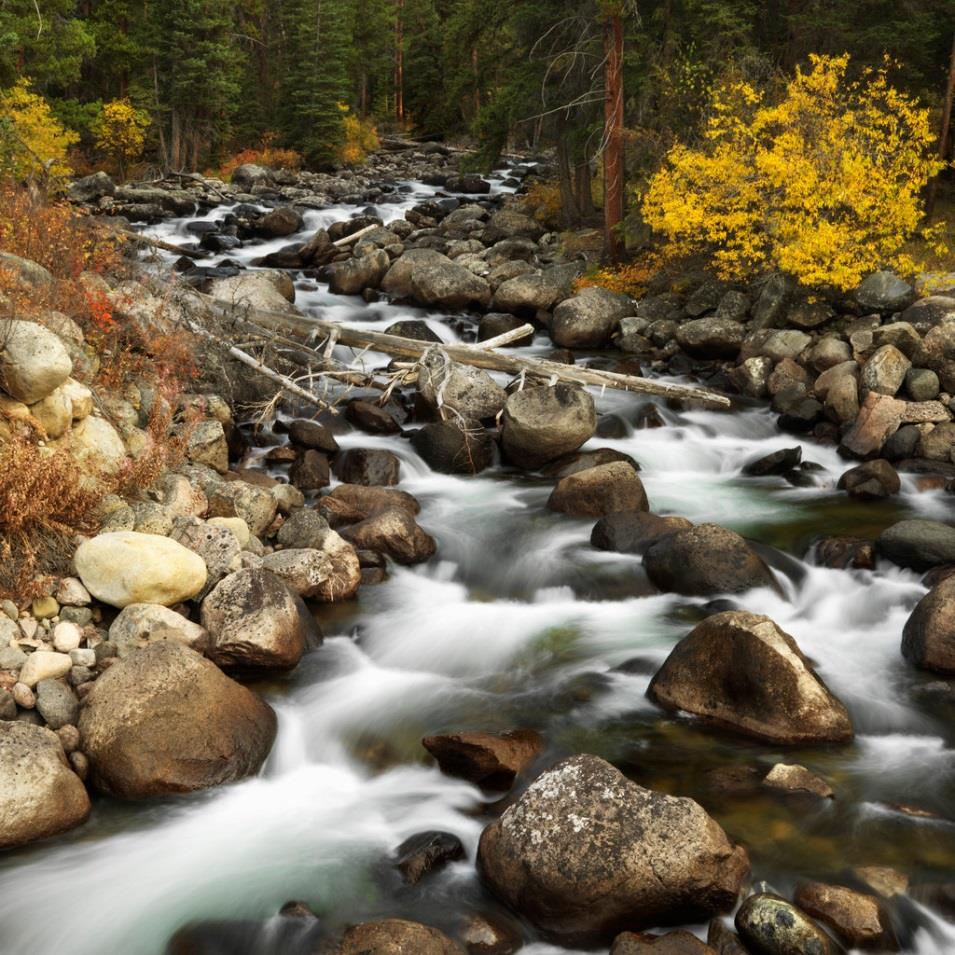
{"points": [[491, 665]]}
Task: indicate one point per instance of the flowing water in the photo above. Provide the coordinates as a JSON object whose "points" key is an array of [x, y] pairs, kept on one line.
{"points": [[519, 622]]}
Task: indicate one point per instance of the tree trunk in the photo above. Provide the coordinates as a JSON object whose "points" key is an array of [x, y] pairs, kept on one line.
{"points": [[568, 201], [400, 62], [945, 132], [613, 136], [584, 190]]}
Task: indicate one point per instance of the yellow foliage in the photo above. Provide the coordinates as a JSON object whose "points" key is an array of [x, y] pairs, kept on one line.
{"points": [[32, 140], [824, 184], [544, 203], [360, 138], [121, 131], [268, 154]]}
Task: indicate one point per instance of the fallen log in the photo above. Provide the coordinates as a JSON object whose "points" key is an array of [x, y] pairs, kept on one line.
{"points": [[479, 357], [141, 239]]}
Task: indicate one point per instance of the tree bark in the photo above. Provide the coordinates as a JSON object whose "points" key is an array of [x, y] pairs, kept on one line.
{"points": [[400, 62], [946, 130], [613, 135]]}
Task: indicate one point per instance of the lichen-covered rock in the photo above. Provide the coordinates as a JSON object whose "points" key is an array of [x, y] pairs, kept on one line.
{"points": [[585, 854], [770, 925], [742, 672], [327, 574], [140, 624]]}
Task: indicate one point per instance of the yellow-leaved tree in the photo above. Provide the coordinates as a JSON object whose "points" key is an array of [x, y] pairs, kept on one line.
{"points": [[121, 132], [824, 183], [360, 138], [33, 142]]}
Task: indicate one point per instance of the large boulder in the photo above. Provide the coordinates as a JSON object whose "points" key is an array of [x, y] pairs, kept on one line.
{"points": [[740, 671], [353, 276], [40, 796], [396, 937], [123, 567], [166, 720], [541, 424], [249, 175], [254, 622], [466, 392], [705, 560], [594, 492], [351, 503], [451, 449], [259, 289], [91, 188], [878, 419], [449, 286], [632, 532], [585, 854], [711, 337], [885, 292], [140, 624], [393, 532], [528, 294], [34, 361], [885, 371], [918, 544], [589, 319], [279, 223], [928, 639], [398, 281]]}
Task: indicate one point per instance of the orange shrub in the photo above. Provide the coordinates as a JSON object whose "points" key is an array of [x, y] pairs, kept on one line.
{"points": [[268, 154], [629, 279]]}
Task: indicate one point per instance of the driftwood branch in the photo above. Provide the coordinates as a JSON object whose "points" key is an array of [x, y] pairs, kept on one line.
{"points": [[140, 239], [479, 357]]}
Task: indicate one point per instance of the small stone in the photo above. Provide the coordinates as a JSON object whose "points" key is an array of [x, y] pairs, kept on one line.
{"points": [[12, 658], [29, 627], [83, 658], [44, 665], [66, 637], [8, 705], [871, 481], [922, 384], [425, 853], [10, 609], [81, 616], [859, 920], [794, 778], [69, 737], [45, 607], [80, 764], [81, 675], [772, 926], [56, 703], [70, 592], [23, 696]]}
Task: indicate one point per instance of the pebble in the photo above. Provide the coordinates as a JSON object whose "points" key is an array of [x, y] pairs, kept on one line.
{"points": [[10, 609], [23, 696], [72, 593], [45, 607], [83, 657], [29, 627], [80, 675], [66, 637], [81, 616], [44, 665], [8, 705], [69, 738], [80, 764]]}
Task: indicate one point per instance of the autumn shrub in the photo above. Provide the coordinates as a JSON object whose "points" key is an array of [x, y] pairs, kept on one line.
{"points": [[543, 201], [631, 279], [824, 182], [267, 154], [33, 143], [120, 132], [360, 137]]}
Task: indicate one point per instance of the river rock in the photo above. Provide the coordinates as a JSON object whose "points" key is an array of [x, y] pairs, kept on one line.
{"points": [[585, 854], [351, 503], [254, 622], [449, 286], [528, 294], [327, 574], [303, 528], [393, 532], [311, 434], [371, 417], [140, 624], [427, 852], [44, 665], [40, 796], [492, 760], [123, 567], [711, 338], [770, 925], [673, 943], [57, 704], [396, 937], [918, 544], [255, 505], [879, 418], [776, 462], [741, 671], [871, 481], [353, 276], [885, 292], [928, 639], [885, 371], [369, 466], [483, 935], [859, 920], [398, 281], [594, 492], [265, 289], [541, 424], [793, 778], [219, 548], [34, 361], [310, 471], [92, 188], [632, 532], [589, 319], [468, 393], [165, 720], [706, 560], [450, 449]]}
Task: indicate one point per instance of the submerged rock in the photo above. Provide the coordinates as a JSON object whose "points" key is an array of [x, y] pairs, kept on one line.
{"points": [[706, 560], [585, 854], [859, 920], [165, 720], [673, 943], [740, 671], [427, 852], [396, 937], [450, 449], [632, 532], [492, 760]]}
